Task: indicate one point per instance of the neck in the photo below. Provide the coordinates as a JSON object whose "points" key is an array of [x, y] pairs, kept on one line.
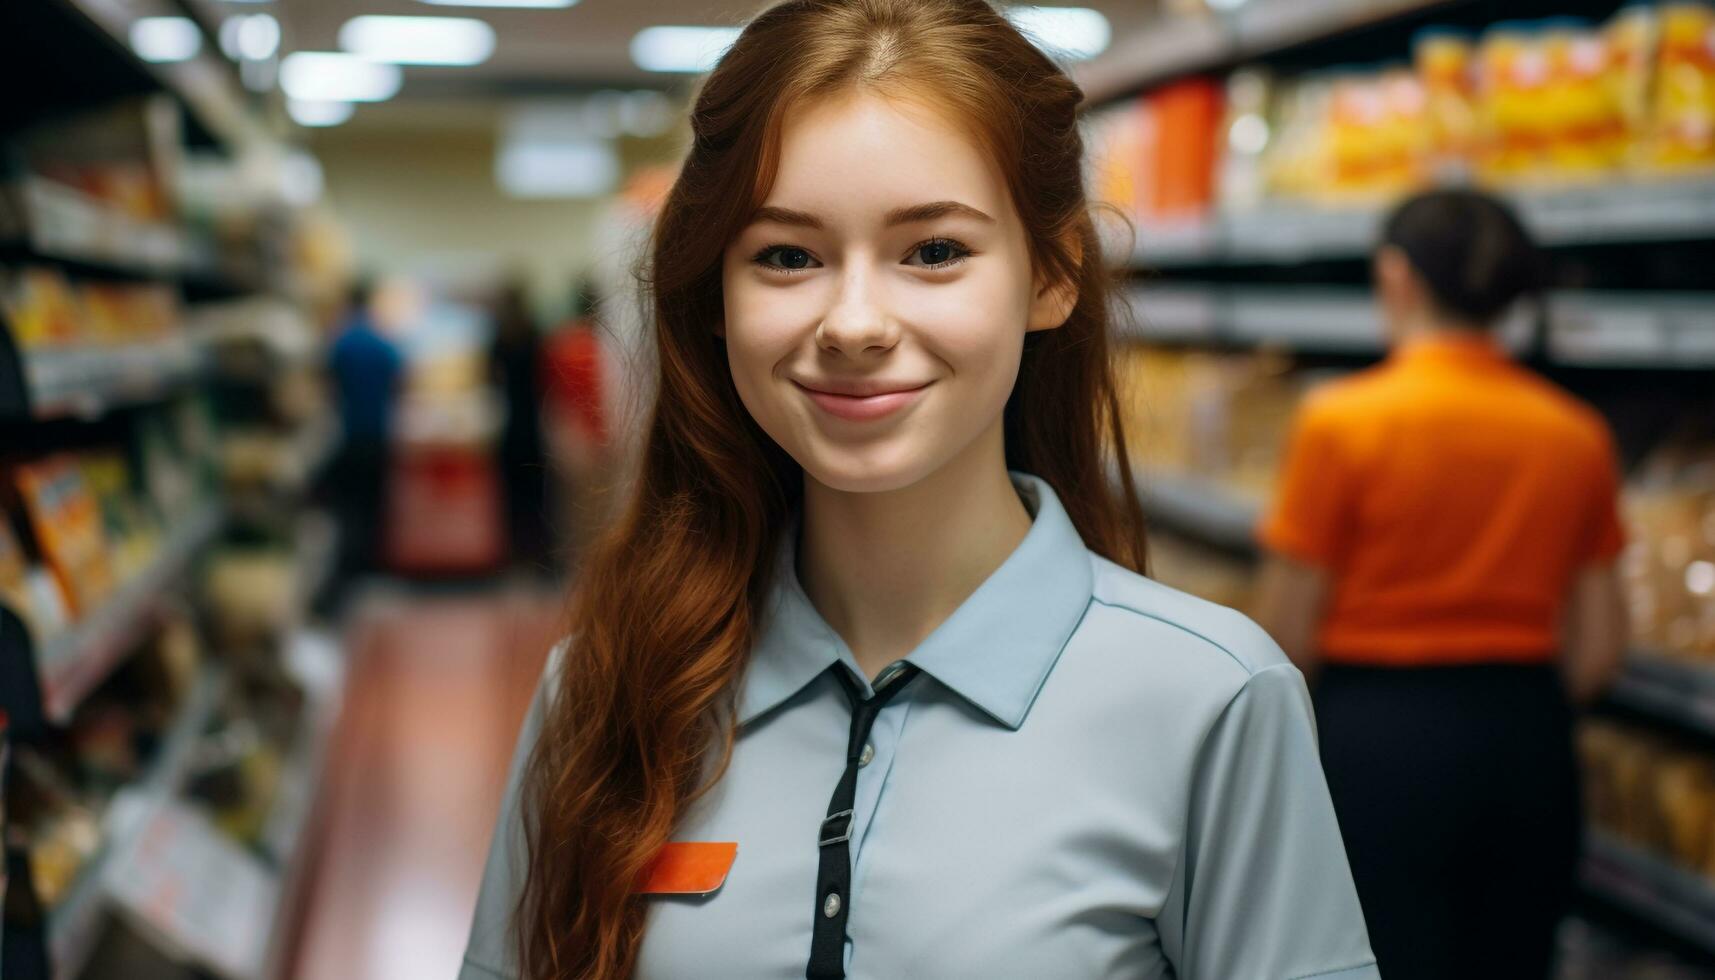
{"points": [[1406, 329], [885, 569]]}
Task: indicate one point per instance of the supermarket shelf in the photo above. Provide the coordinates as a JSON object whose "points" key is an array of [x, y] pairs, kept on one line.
{"points": [[1200, 509], [1611, 213], [1180, 45], [74, 924], [1678, 693], [75, 661], [85, 382], [206, 85], [1650, 887], [50, 220], [1585, 328]]}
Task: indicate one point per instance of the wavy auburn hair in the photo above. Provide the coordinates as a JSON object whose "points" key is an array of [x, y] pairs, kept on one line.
{"points": [[666, 607]]}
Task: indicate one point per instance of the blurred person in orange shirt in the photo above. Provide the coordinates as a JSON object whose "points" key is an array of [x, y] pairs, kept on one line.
{"points": [[1441, 563], [572, 379]]}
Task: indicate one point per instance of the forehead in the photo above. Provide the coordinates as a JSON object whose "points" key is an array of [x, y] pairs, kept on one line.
{"points": [[860, 151]]}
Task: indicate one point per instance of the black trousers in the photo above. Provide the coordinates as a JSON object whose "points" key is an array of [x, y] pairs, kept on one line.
{"points": [[1458, 798], [358, 484]]}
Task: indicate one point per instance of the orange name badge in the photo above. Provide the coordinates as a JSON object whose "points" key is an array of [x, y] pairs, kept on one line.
{"points": [[689, 868]]}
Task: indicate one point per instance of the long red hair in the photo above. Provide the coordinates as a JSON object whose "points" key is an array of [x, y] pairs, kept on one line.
{"points": [[666, 606]]}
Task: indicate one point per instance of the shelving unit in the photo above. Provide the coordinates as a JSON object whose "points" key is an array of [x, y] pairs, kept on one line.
{"points": [[1650, 887], [1200, 510], [1284, 234], [1188, 44], [78, 52], [1584, 328], [75, 921], [89, 382], [106, 136], [67, 665]]}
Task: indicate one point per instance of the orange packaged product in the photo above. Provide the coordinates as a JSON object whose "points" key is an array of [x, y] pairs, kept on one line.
{"points": [[1683, 116], [67, 523], [1118, 164], [1188, 120]]}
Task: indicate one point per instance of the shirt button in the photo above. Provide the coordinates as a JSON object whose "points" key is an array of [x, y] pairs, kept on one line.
{"points": [[831, 907], [868, 754]]}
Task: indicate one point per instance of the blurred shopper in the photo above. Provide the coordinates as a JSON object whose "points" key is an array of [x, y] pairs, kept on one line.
{"points": [[366, 368], [577, 430], [871, 634], [1441, 561], [515, 366]]}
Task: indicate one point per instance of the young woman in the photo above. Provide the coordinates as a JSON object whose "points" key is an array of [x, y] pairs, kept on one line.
{"points": [[1442, 556], [949, 727]]}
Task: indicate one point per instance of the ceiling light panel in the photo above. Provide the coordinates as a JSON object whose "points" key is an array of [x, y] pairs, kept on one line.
{"points": [[418, 40]]}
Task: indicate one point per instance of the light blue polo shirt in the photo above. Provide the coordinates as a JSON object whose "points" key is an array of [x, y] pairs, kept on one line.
{"points": [[1094, 776]]}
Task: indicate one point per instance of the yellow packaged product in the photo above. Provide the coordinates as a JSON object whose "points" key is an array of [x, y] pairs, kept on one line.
{"points": [[1513, 113], [1445, 65], [1683, 123], [1586, 134], [42, 310], [1378, 135], [1632, 37]]}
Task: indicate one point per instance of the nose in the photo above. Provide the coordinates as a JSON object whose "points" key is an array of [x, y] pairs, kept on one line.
{"points": [[857, 323]]}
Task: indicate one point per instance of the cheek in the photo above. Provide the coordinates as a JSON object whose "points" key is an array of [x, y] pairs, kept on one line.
{"points": [[977, 325]]}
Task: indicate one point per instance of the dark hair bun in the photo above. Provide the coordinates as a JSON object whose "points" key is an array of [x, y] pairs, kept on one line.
{"points": [[1471, 250]]}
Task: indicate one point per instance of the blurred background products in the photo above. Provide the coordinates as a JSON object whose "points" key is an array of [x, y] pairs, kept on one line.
{"points": [[280, 557]]}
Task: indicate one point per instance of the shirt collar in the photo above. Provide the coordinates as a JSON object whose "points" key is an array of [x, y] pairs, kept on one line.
{"points": [[995, 651]]}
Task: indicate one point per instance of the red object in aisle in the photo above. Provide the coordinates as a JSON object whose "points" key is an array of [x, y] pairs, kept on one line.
{"points": [[1187, 125], [443, 511]]}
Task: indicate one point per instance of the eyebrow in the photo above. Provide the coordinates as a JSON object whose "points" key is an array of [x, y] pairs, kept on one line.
{"points": [[910, 214]]}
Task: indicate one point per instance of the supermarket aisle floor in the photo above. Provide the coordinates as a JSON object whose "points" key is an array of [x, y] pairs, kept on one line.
{"points": [[436, 691]]}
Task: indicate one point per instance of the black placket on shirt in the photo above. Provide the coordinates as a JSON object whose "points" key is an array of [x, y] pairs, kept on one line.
{"points": [[833, 876]]}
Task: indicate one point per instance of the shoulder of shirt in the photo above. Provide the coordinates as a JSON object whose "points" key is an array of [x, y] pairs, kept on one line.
{"points": [[1227, 640], [556, 661]]}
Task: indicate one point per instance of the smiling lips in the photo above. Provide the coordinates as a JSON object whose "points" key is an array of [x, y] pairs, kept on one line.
{"points": [[861, 402]]}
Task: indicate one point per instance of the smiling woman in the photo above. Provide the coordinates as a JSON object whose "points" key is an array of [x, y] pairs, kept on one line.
{"points": [[867, 680]]}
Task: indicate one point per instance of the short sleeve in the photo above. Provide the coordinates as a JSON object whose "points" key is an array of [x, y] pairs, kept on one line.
{"points": [[1604, 536], [1307, 517], [1263, 889], [489, 953]]}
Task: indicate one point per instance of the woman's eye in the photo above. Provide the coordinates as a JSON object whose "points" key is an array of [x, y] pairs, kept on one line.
{"points": [[789, 258], [937, 253]]}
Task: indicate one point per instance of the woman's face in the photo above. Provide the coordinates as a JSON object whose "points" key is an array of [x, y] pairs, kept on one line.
{"points": [[876, 305]]}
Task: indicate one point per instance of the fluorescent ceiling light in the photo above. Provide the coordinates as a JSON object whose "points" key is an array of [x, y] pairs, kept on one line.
{"points": [[1226, 4], [163, 39], [1074, 32], [309, 113], [418, 40], [532, 4], [250, 37], [681, 49], [562, 168], [332, 76]]}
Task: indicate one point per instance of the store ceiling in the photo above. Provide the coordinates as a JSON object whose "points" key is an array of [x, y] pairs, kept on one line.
{"points": [[541, 51]]}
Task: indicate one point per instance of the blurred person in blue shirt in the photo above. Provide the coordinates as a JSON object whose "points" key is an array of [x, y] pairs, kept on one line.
{"points": [[365, 366]]}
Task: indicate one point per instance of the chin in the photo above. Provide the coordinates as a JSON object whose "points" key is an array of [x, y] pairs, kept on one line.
{"points": [[870, 470]]}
